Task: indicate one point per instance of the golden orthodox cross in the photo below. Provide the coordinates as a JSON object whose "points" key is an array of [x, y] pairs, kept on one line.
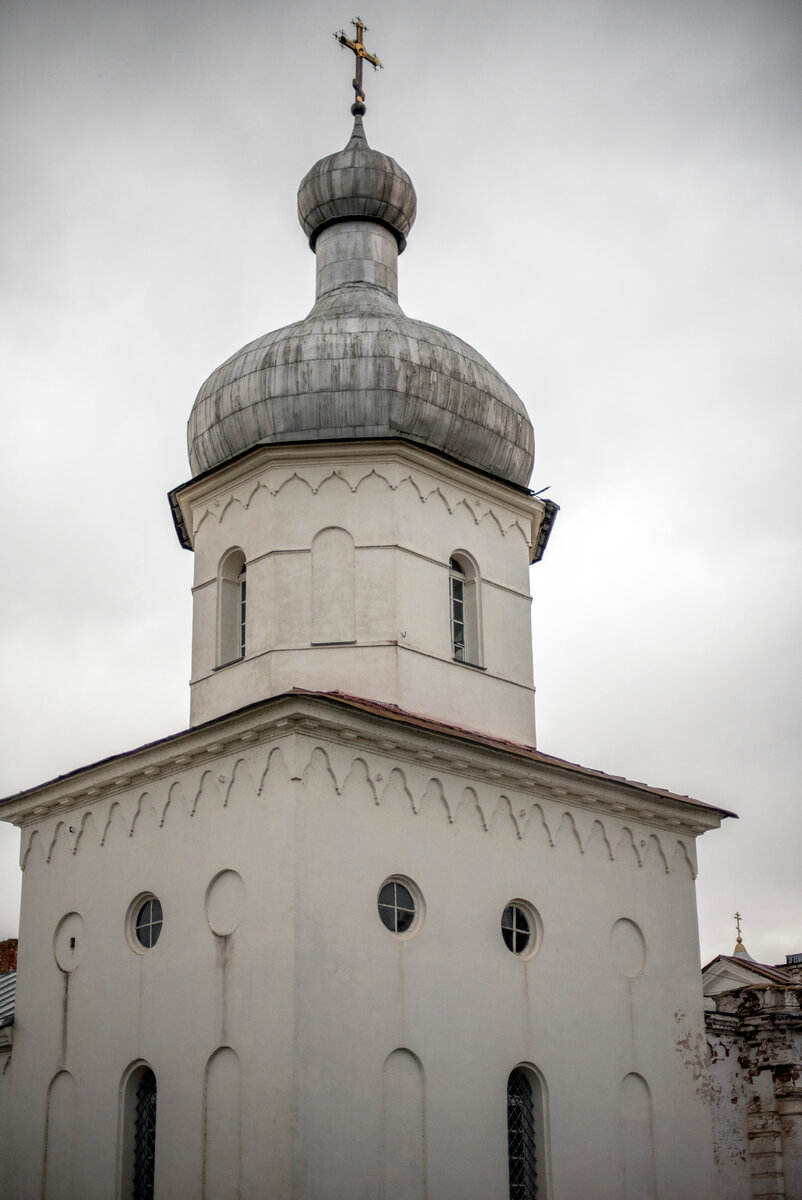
{"points": [[738, 924], [358, 47]]}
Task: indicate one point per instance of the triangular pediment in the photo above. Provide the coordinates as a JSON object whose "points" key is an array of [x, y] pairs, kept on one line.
{"points": [[726, 973]]}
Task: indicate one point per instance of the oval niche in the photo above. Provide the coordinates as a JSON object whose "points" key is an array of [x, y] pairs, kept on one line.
{"points": [[225, 903], [68, 941], [628, 948]]}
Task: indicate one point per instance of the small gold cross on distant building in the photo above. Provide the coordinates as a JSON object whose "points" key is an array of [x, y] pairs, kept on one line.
{"points": [[738, 924], [358, 47]]}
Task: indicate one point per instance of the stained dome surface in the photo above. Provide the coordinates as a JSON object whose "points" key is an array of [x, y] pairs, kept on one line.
{"points": [[357, 367]]}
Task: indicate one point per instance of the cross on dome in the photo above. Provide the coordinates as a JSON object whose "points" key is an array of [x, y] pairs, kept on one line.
{"points": [[360, 53]]}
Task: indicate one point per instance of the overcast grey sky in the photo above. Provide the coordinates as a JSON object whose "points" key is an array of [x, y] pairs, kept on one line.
{"points": [[609, 210]]}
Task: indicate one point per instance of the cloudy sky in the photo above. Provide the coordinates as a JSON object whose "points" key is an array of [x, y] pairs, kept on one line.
{"points": [[609, 210]]}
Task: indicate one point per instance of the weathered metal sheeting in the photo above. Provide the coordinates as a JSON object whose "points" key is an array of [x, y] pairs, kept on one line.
{"points": [[8, 996], [357, 366], [357, 183], [363, 375]]}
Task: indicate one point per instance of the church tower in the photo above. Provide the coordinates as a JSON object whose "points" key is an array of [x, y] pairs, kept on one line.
{"points": [[359, 511], [351, 934]]}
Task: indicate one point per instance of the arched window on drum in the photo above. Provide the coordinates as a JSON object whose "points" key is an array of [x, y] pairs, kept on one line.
{"points": [[231, 608], [464, 593]]}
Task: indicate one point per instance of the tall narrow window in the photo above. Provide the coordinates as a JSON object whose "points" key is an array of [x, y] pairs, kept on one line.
{"points": [[521, 1140], [144, 1136], [241, 584], [457, 580], [463, 581], [138, 1127], [231, 608]]}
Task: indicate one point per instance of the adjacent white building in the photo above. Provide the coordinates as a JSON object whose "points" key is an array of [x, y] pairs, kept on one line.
{"points": [[351, 934]]}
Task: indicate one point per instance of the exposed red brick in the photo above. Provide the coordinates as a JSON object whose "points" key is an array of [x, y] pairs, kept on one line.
{"points": [[8, 955]]}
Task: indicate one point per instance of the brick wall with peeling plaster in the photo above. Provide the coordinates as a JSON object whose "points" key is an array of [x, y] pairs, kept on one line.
{"points": [[754, 1039]]}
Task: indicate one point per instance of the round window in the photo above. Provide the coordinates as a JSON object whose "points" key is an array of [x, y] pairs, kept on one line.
{"points": [[520, 928], [148, 921], [400, 906]]}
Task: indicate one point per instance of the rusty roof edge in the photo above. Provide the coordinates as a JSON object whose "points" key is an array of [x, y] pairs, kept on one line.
{"points": [[169, 750], [772, 973], [530, 753]]}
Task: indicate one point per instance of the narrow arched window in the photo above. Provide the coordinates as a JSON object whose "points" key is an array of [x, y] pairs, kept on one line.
{"points": [[521, 1137], [145, 1136], [232, 608], [241, 600], [139, 1135], [463, 581]]}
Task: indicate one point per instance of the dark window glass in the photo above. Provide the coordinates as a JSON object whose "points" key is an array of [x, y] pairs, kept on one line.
{"points": [[457, 611], [148, 923], [515, 929], [242, 606], [521, 1146], [145, 1136], [396, 906]]}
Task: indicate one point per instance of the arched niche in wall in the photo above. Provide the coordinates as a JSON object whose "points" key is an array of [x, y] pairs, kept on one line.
{"points": [[637, 1139], [222, 1126], [402, 1148], [61, 1128], [333, 586]]}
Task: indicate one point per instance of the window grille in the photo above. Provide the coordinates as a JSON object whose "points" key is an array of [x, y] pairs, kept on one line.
{"points": [[149, 921], [145, 1136], [521, 1137], [515, 929], [396, 906], [457, 585]]}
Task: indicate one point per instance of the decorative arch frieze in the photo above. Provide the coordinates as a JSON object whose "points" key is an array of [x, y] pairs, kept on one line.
{"points": [[318, 771], [275, 773], [206, 793], [239, 786], [469, 812], [654, 854], [434, 796], [626, 845], [503, 815], [115, 826], [33, 850], [60, 838], [396, 792], [537, 824], [176, 807], [145, 815], [567, 833], [314, 483], [598, 841], [336, 771], [358, 784], [87, 832], [682, 860]]}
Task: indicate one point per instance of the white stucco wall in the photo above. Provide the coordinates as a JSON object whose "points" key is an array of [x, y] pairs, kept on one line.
{"points": [[406, 511], [311, 995]]}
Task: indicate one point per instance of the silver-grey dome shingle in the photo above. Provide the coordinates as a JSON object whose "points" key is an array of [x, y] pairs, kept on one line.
{"points": [[357, 367], [357, 183]]}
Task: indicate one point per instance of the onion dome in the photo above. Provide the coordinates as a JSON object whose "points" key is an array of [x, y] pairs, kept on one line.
{"points": [[357, 184], [357, 367]]}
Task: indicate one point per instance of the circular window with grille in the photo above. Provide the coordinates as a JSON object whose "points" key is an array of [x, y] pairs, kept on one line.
{"points": [[400, 906], [521, 929], [144, 923]]}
